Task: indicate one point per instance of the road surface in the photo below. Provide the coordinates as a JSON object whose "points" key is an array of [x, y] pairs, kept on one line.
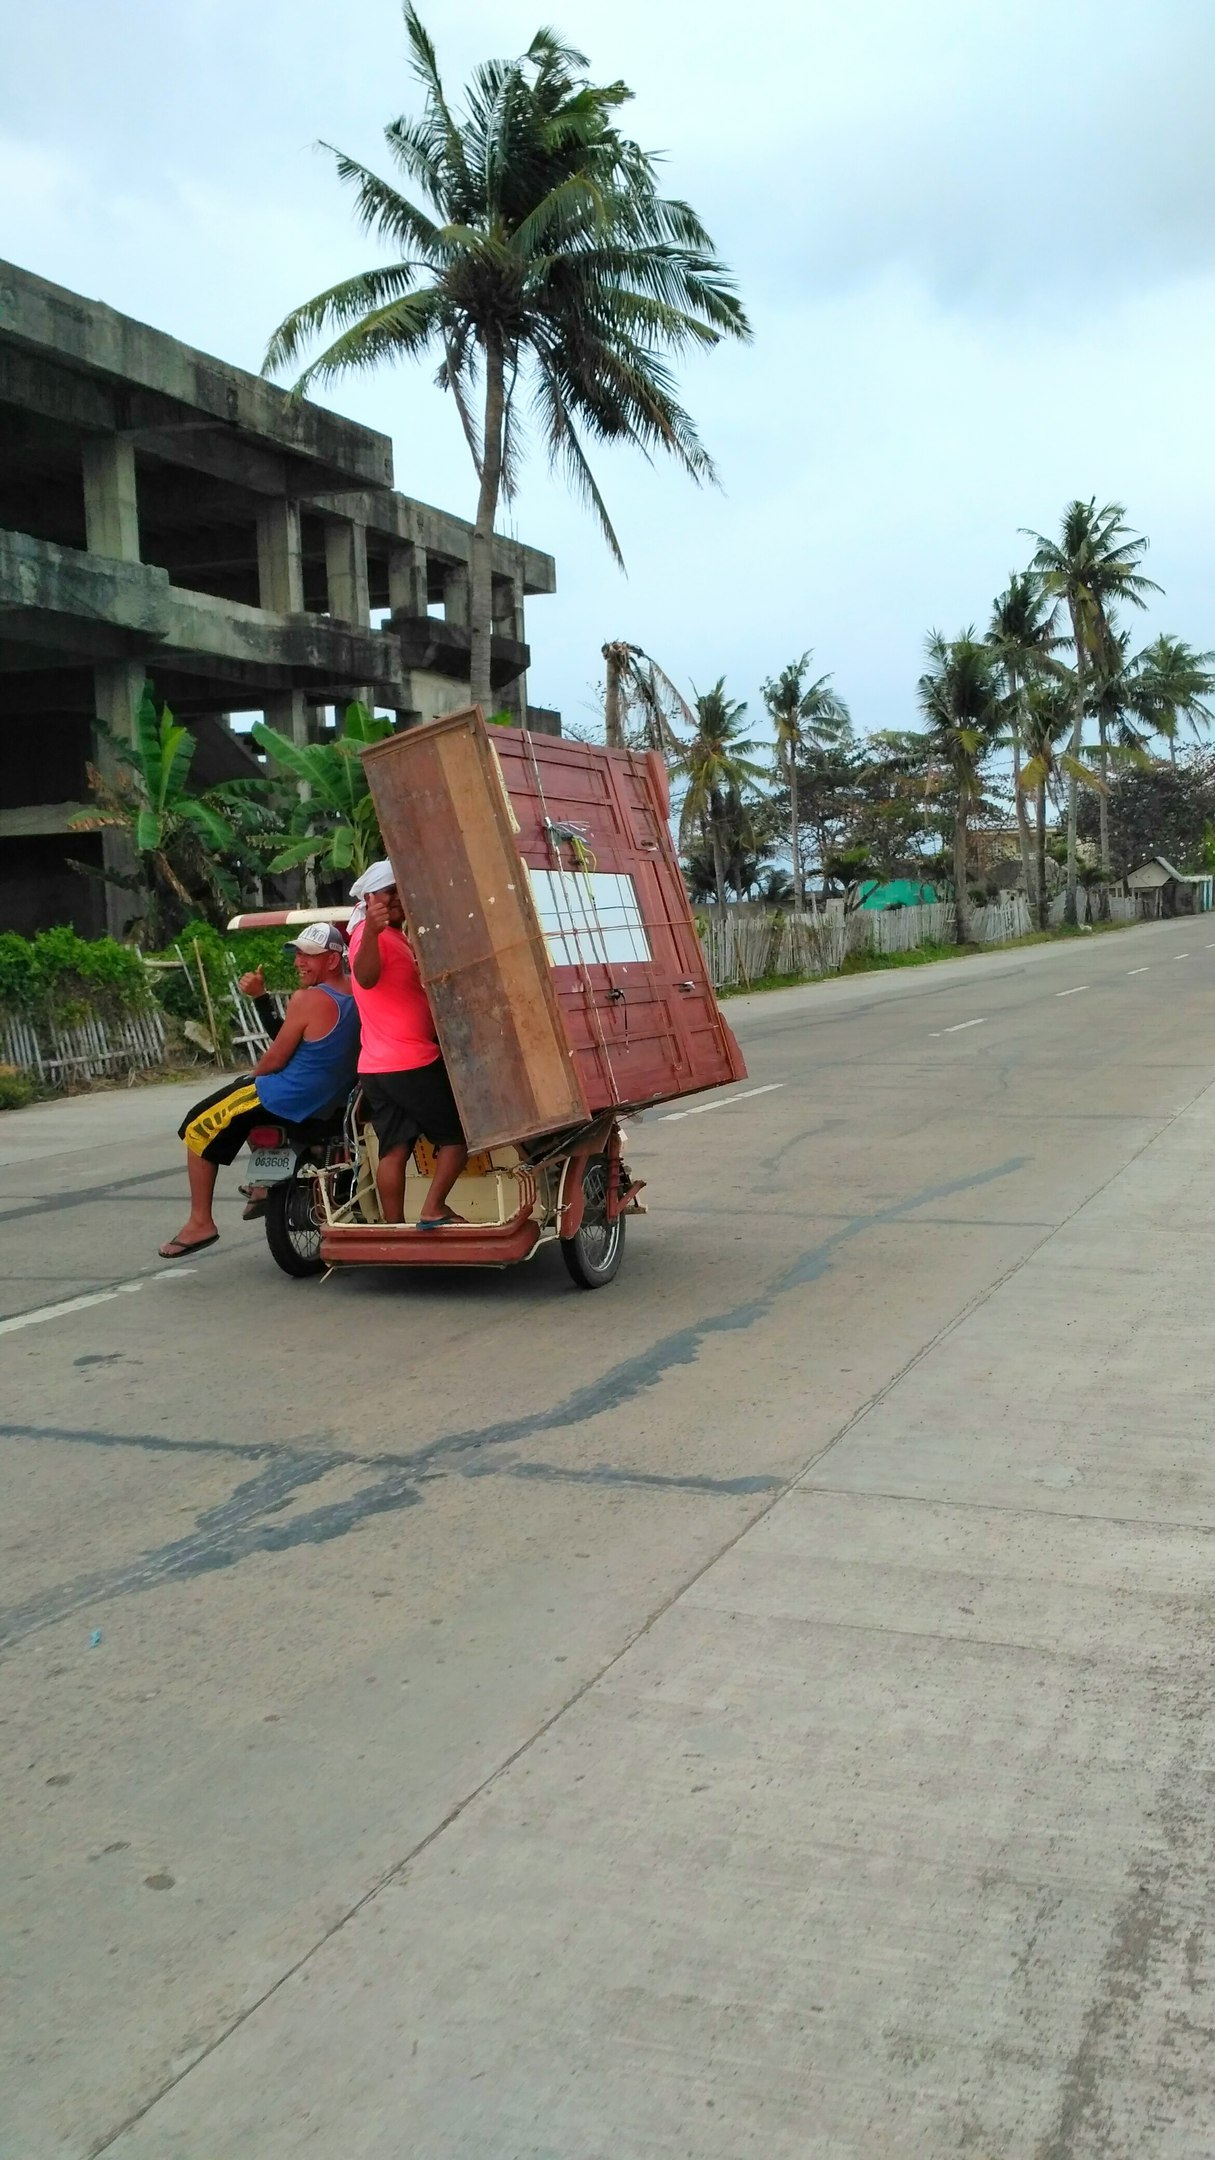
{"points": [[759, 1709]]}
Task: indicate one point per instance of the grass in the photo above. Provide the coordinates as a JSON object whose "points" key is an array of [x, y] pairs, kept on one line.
{"points": [[920, 956]]}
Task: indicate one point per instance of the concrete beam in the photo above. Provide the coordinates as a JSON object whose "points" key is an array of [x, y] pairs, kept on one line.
{"points": [[45, 319], [37, 820], [390, 516], [67, 598]]}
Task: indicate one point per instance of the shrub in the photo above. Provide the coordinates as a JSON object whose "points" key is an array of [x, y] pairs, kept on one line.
{"points": [[15, 1089], [60, 978]]}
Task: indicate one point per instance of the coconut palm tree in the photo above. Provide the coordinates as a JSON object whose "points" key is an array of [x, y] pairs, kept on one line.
{"points": [[960, 698], [719, 768], [1046, 723], [802, 713], [541, 265], [1023, 636], [1093, 565], [1174, 684]]}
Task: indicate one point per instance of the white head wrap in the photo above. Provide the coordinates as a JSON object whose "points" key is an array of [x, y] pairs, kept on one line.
{"points": [[377, 877]]}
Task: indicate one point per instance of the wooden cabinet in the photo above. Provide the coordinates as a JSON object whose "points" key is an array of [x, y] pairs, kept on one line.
{"points": [[546, 908]]}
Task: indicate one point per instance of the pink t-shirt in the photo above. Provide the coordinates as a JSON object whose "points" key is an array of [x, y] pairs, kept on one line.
{"points": [[395, 1016]]}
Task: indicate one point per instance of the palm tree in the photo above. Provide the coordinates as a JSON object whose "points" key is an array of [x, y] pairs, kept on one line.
{"points": [[1046, 722], [540, 263], [959, 696], [802, 713], [1174, 683], [719, 768], [1092, 566], [1023, 638]]}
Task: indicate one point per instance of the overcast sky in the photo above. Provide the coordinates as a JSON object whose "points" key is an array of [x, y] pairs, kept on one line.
{"points": [[976, 243]]}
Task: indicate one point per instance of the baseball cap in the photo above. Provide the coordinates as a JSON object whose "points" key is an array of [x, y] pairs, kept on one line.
{"points": [[318, 937]]}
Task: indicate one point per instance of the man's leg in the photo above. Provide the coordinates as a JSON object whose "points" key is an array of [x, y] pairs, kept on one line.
{"points": [[449, 1162], [390, 1182], [199, 1227]]}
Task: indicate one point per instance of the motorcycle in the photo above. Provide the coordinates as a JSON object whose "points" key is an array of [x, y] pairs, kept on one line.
{"points": [[287, 1160]]}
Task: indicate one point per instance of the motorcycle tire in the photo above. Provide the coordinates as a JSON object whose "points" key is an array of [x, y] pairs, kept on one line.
{"points": [[292, 1230], [594, 1253]]}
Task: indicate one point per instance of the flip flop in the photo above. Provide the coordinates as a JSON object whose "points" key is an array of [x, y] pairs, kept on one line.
{"points": [[253, 1210], [440, 1222], [174, 1249]]}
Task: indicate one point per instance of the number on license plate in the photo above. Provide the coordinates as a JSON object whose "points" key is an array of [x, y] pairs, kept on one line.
{"points": [[269, 1166]]}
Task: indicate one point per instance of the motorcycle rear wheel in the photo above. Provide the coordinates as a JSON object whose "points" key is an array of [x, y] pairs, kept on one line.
{"points": [[292, 1230]]}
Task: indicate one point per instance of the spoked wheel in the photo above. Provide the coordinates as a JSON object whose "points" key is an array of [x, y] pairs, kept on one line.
{"points": [[293, 1231], [594, 1253]]}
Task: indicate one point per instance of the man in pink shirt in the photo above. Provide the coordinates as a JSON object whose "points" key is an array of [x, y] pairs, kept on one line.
{"points": [[404, 1079]]}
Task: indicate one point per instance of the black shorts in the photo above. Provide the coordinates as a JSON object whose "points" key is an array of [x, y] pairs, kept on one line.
{"points": [[218, 1126], [407, 1106]]}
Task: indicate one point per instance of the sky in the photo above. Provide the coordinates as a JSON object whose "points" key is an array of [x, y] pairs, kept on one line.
{"points": [[976, 245]]}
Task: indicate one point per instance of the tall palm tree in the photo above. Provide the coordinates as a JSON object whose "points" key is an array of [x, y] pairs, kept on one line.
{"points": [[1175, 682], [1046, 723], [719, 767], [1023, 637], [960, 698], [541, 264], [802, 713], [1093, 565]]}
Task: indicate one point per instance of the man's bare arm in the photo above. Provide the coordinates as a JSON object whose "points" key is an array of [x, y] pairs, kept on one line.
{"points": [[366, 964], [302, 1006]]}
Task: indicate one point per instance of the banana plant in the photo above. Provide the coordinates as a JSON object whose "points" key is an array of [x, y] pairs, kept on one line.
{"points": [[334, 824], [177, 839]]}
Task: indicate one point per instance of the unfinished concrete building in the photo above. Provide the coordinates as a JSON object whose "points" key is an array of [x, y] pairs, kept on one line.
{"points": [[167, 517]]}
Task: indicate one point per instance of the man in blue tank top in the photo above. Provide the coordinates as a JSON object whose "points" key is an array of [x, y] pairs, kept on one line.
{"points": [[307, 1069]]}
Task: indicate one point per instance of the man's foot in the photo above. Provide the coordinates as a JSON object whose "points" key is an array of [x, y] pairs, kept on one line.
{"points": [[178, 1247], [255, 1202], [440, 1222]]}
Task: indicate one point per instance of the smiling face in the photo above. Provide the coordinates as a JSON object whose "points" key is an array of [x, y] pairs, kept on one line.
{"points": [[315, 968], [396, 913]]}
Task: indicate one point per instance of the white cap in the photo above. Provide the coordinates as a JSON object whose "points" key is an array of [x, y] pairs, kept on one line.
{"points": [[318, 937], [377, 877]]}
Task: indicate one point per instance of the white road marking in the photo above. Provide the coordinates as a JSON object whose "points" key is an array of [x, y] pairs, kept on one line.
{"points": [[1072, 993], [1137, 971], [1181, 956], [958, 1026], [670, 1117], [66, 1305]]}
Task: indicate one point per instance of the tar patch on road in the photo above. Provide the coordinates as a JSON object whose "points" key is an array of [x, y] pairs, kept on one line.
{"points": [[241, 1525]]}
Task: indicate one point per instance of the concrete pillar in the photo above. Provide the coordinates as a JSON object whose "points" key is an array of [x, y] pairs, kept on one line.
{"points": [[346, 571], [456, 595], [280, 567], [508, 608], [117, 690], [407, 580], [111, 503], [288, 713]]}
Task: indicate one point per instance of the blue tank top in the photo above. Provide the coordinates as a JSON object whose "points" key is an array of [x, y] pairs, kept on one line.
{"points": [[318, 1074]]}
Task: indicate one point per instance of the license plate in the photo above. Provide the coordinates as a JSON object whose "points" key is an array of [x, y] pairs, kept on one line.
{"points": [[270, 1165]]}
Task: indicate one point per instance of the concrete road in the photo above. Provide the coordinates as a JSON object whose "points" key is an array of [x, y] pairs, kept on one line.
{"points": [[760, 1709]]}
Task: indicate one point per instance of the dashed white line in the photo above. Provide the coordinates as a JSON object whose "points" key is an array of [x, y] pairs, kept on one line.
{"points": [[1137, 971], [1072, 993], [958, 1026], [1181, 956], [670, 1117], [65, 1305]]}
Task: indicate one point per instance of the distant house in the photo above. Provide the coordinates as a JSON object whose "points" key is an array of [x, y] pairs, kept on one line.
{"points": [[1168, 891]]}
